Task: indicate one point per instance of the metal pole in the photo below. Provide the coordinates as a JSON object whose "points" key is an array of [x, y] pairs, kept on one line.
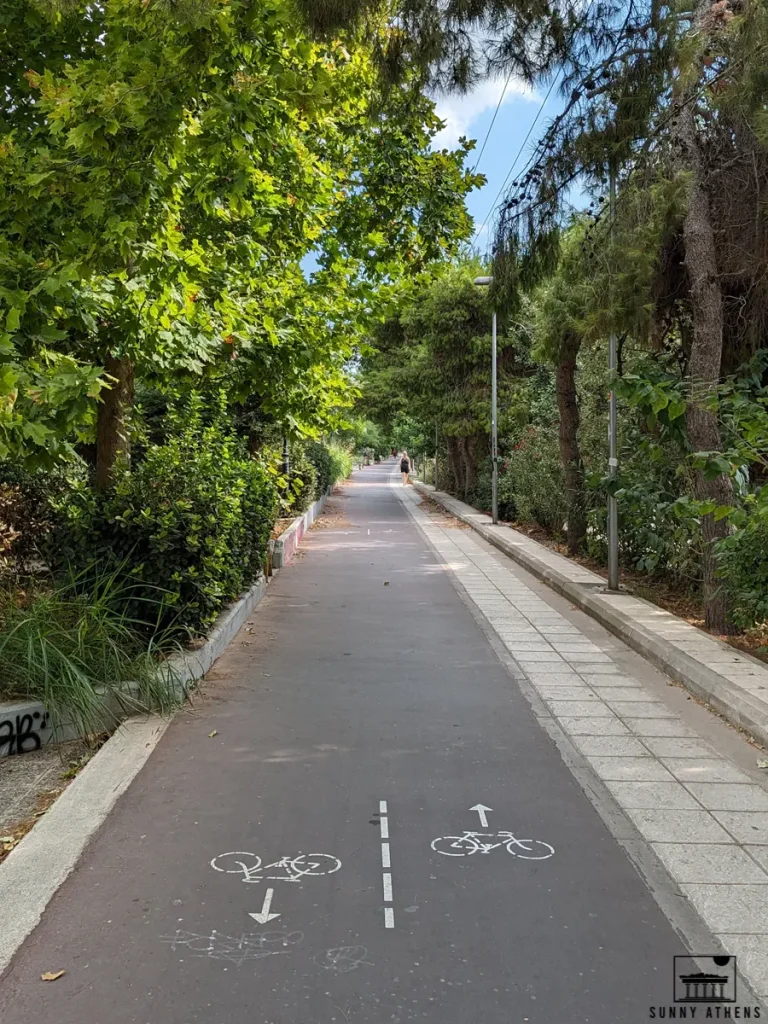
{"points": [[494, 430], [613, 462], [435, 456], [286, 458]]}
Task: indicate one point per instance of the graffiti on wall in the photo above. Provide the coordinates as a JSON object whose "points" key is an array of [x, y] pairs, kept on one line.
{"points": [[24, 731]]}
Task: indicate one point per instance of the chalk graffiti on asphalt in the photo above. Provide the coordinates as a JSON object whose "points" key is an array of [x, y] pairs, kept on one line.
{"points": [[235, 949], [341, 959]]}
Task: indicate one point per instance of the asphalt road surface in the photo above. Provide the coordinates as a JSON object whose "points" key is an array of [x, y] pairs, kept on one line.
{"points": [[359, 718]]}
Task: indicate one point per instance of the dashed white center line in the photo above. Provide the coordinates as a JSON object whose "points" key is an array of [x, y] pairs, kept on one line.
{"points": [[386, 878]]}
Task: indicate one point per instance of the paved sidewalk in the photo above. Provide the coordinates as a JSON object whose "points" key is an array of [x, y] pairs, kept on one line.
{"points": [[733, 683], [705, 819]]}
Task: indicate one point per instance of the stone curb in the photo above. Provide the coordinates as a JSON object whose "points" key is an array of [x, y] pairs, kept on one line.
{"points": [[643, 626], [289, 540], [34, 870]]}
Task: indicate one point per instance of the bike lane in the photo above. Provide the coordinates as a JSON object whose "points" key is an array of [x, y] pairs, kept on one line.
{"points": [[360, 717]]}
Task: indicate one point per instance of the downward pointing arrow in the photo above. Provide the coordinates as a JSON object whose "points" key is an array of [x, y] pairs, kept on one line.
{"points": [[481, 809], [265, 915]]}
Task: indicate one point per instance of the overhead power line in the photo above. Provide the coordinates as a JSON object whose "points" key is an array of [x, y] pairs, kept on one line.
{"points": [[493, 121], [517, 157]]}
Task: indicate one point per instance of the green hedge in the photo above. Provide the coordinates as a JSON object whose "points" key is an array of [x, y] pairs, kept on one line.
{"points": [[332, 463], [190, 522]]}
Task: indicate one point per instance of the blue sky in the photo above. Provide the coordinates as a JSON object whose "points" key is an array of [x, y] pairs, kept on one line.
{"points": [[471, 115]]}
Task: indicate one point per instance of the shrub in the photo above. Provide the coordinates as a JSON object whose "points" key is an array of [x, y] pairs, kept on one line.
{"points": [[531, 480], [743, 563], [332, 463], [302, 487], [192, 520], [25, 518], [75, 646]]}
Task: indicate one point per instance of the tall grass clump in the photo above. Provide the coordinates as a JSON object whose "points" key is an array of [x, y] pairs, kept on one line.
{"points": [[75, 647]]}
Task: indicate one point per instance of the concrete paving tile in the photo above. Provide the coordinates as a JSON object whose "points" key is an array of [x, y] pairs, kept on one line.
{"points": [[745, 826], [554, 692], [751, 952], [623, 693], [558, 631], [669, 795], [717, 864], [640, 709], [731, 908], [588, 656], [608, 679], [569, 650], [569, 681], [725, 796], [630, 769], [598, 669], [579, 708], [522, 647], [661, 825], [704, 770], [593, 726], [534, 658], [674, 746], [555, 676], [659, 727], [760, 853], [610, 746]]}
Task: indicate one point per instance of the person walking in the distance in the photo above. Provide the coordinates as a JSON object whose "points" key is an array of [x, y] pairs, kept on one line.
{"points": [[405, 467]]}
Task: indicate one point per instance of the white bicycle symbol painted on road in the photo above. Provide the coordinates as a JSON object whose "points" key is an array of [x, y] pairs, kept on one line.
{"points": [[476, 842], [249, 866]]}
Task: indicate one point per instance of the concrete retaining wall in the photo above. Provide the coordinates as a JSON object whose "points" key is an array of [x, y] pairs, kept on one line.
{"points": [[288, 541]]}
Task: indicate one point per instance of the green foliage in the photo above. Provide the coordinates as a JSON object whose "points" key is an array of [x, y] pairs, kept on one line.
{"points": [[743, 563], [189, 525], [77, 648], [332, 462]]}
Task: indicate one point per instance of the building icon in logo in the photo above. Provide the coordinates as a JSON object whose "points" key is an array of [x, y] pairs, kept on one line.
{"points": [[704, 988], [705, 979]]}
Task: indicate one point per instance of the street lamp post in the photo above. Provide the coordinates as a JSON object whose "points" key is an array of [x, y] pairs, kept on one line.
{"points": [[613, 430], [486, 282]]}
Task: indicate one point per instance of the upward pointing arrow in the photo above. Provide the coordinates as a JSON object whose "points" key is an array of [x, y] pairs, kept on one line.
{"points": [[265, 915], [481, 809]]}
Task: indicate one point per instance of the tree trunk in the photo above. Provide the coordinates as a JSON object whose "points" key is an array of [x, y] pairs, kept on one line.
{"points": [[707, 346], [112, 437], [470, 465], [454, 466], [570, 455]]}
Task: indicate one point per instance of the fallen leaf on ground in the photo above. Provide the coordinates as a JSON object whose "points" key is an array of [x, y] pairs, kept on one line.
{"points": [[212, 734], [386, 583], [51, 975]]}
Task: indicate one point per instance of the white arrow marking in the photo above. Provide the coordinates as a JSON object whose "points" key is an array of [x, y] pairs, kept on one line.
{"points": [[265, 915], [481, 809]]}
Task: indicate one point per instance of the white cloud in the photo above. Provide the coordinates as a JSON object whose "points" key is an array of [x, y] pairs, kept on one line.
{"points": [[459, 112]]}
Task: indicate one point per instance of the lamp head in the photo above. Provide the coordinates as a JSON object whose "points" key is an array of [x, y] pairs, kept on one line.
{"points": [[483, 280]]}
